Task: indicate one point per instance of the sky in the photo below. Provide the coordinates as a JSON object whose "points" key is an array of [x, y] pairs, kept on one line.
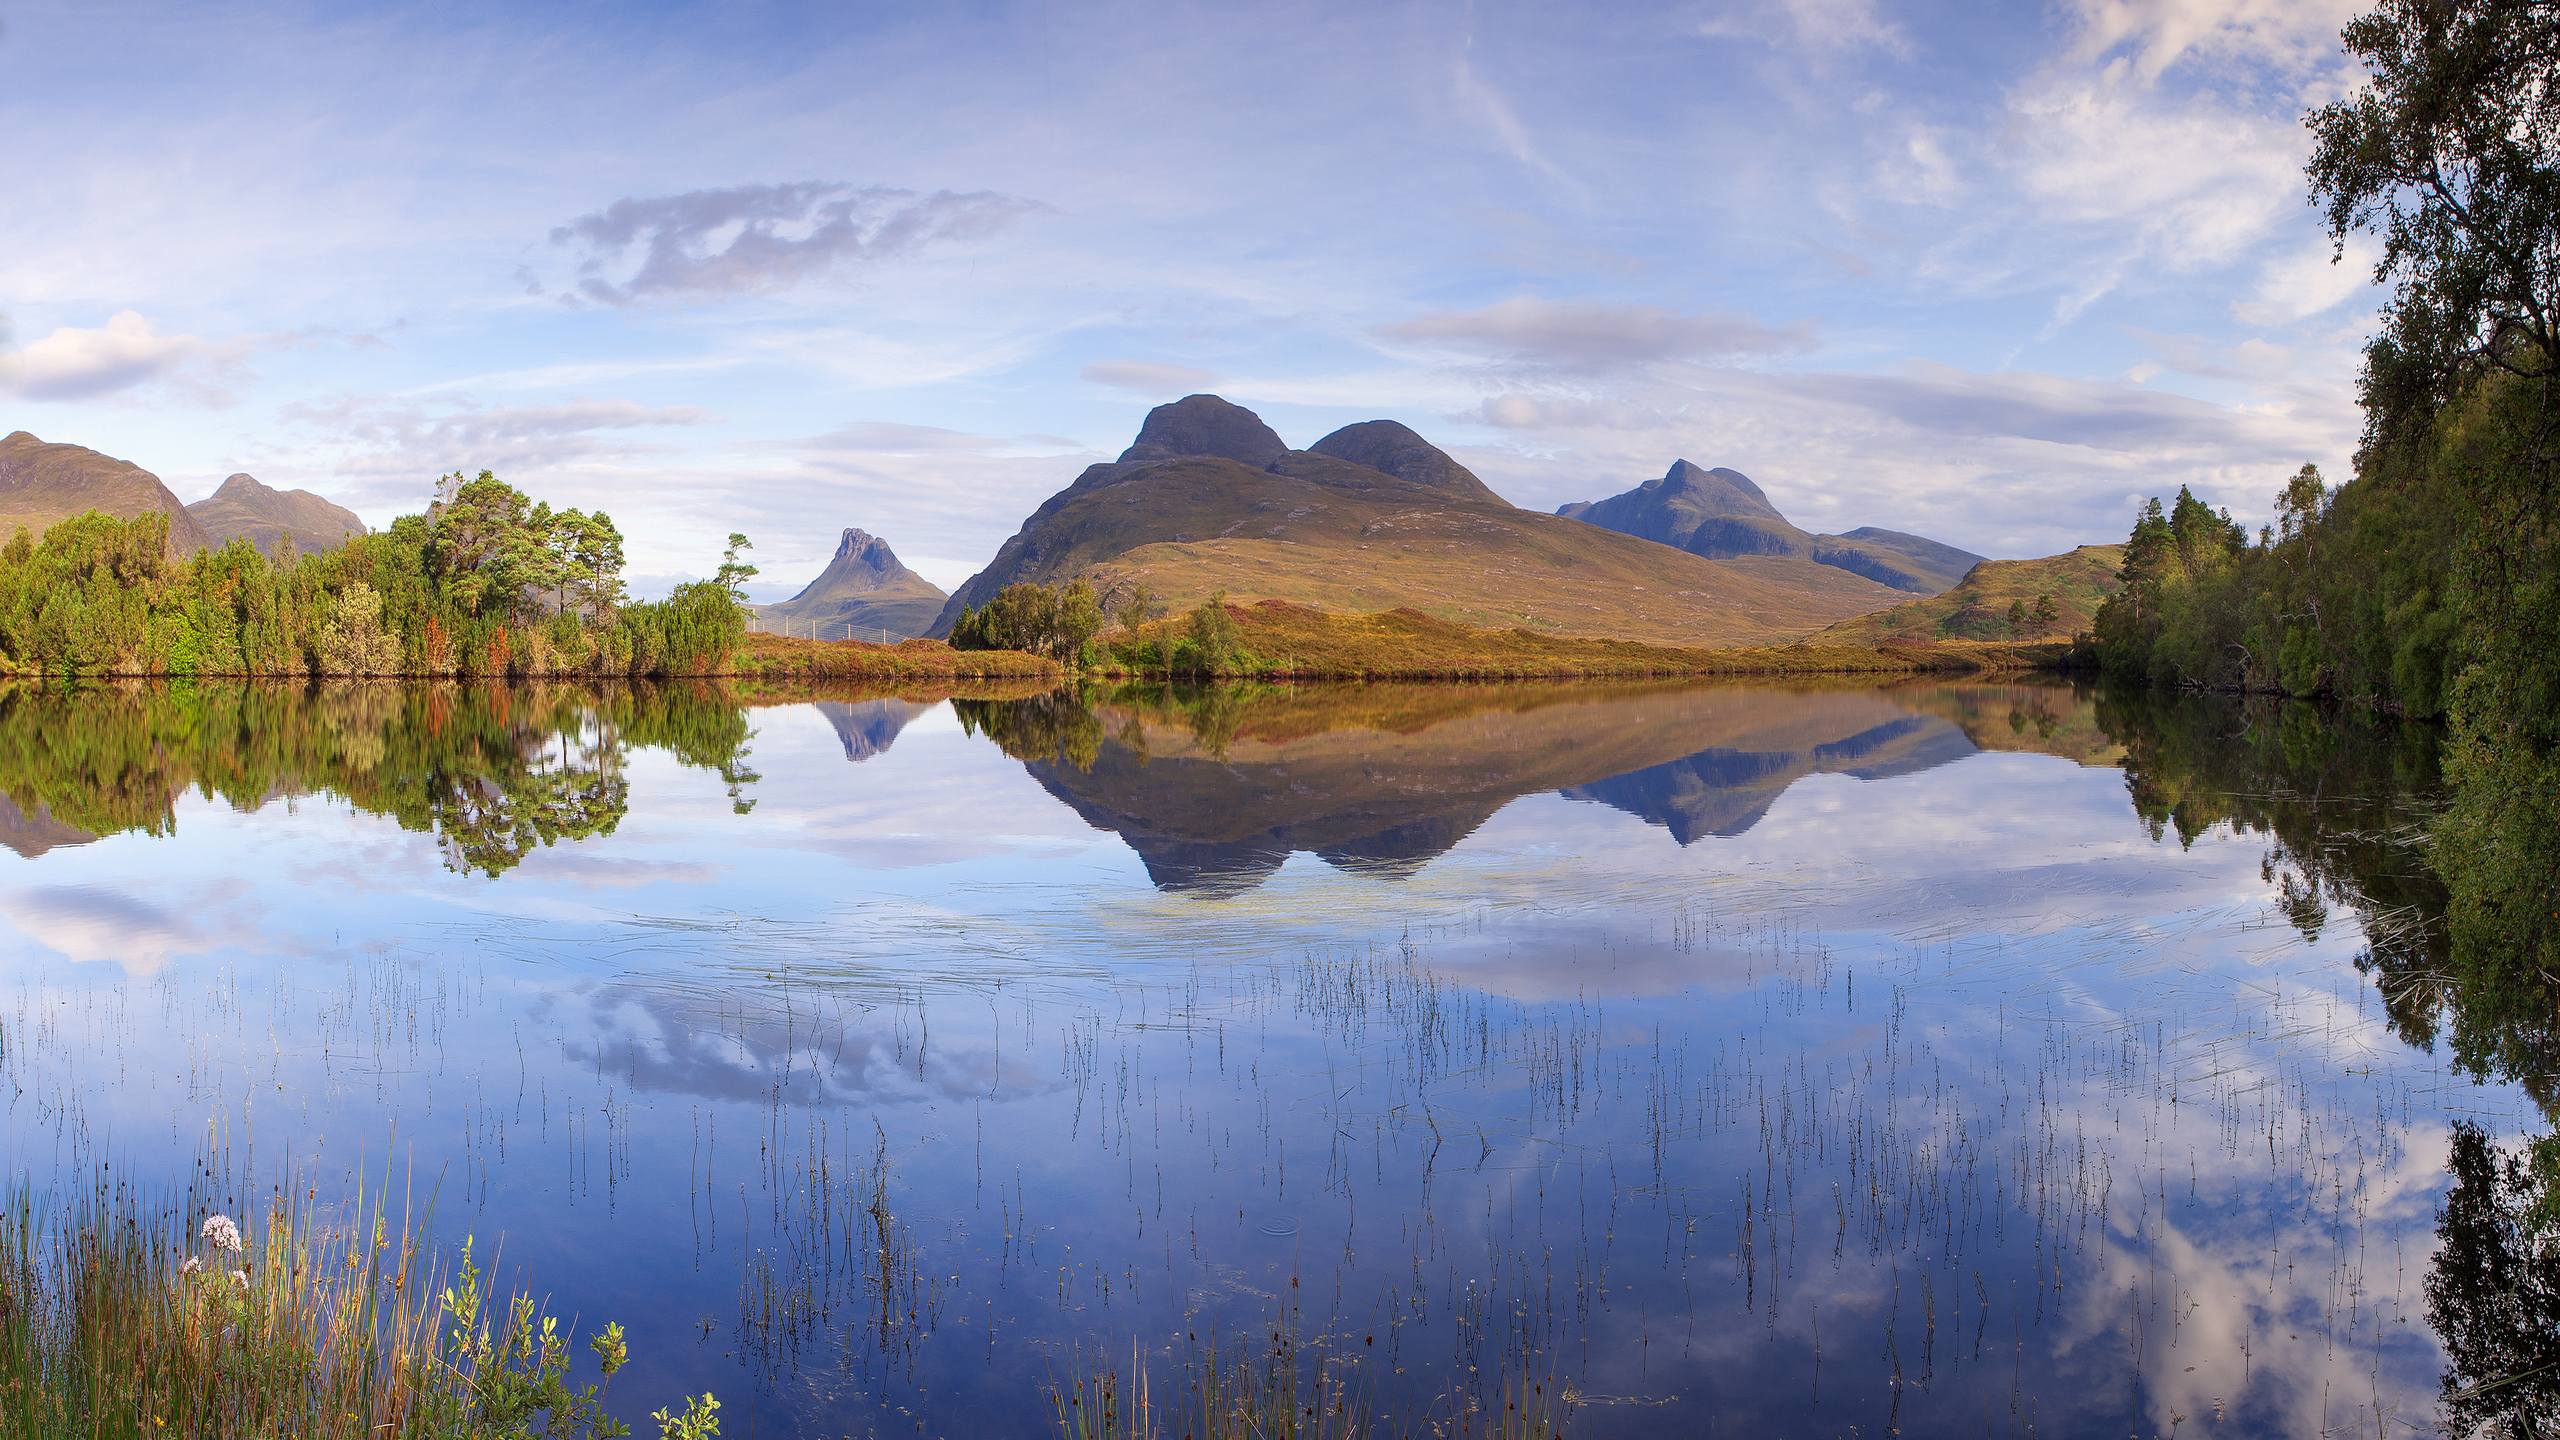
{"points": [[1992, 273]]}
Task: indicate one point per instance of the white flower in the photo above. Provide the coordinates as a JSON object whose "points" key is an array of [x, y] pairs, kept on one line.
{"points": [[240, 1278], [192, 1266], [221, 1233]]}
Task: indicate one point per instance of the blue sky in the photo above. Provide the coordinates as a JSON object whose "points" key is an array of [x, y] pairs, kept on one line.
{"points": [[1991, 273]]}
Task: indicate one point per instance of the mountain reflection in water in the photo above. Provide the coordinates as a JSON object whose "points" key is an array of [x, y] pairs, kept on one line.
{"points": [[1750, 1058], [1214, 791]]}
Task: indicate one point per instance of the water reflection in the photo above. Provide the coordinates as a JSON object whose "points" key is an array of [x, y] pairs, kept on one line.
{"points": [[1755, 1059], [1214, 790], [492, 772]]}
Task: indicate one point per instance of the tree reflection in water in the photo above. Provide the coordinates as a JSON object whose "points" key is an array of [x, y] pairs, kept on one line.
{"points": [[493, 772]]}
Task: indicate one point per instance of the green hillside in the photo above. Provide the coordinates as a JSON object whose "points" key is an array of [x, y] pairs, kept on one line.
{"points": [[1978, 608]]}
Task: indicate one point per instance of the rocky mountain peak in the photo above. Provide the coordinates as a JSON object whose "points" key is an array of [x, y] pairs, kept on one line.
{"points": [[1205, 425], [1395, 449]]}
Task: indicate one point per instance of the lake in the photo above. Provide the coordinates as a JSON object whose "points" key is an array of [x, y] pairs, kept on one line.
{"points": [[1743, 1059]]}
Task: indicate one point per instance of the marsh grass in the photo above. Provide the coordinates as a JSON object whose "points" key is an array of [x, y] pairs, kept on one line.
{"points": [[123, 1318], [1287, 1386]]}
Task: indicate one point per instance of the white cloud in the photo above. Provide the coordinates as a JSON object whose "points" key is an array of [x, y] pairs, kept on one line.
{"points": [[749, 238], [2186, 185], [2310, 281], [76, 364], [2156, 34]]}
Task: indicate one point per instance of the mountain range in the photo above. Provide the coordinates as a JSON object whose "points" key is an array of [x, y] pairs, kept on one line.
{"points": [[1720, 515], [43, 482], [864, 593], [1373, 517]]}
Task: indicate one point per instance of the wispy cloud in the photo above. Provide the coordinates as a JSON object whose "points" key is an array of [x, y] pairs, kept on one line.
{"points": [[2306, 282], [1576, 335], [764, 237], [2156, 34], [1816, 26], [1148, 377], [392, 448]]}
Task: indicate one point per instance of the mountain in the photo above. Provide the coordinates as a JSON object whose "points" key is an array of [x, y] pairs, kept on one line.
{"points": [[1720, 514], [863, 592], [1978, 607], [42, 483], [268, 517], [1374, 517]]}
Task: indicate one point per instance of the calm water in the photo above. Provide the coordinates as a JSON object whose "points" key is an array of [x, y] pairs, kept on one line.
{"points": [[1754, 1060]]}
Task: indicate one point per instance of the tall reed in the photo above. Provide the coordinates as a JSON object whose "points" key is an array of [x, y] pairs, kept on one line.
{"points": [[1286, 1388]]}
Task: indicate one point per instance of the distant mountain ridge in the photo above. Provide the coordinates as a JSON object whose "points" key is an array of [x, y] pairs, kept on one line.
{"points": [[1373, 517], [1720, 514], [865, 592], [267, 517], [43, 483]]}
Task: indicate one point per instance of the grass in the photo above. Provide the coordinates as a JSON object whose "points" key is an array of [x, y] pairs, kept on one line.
{"points": [[120, 1320], [1286, 1387], [780, 657], [1284, 640]]}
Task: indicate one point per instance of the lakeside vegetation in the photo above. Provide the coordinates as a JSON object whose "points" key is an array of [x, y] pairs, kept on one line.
{"points": [[121, 1319], [485, 583]]}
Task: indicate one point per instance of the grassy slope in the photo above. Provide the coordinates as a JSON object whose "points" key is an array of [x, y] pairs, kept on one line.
{"points": [[1296, 640], [43, 483], [785, 657], [1345, 538], [1978, 608]]}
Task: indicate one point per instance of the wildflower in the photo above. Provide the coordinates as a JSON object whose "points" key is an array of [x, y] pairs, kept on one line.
{"points": [[221, 1233], [240, 1278], [193, 1264]]}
